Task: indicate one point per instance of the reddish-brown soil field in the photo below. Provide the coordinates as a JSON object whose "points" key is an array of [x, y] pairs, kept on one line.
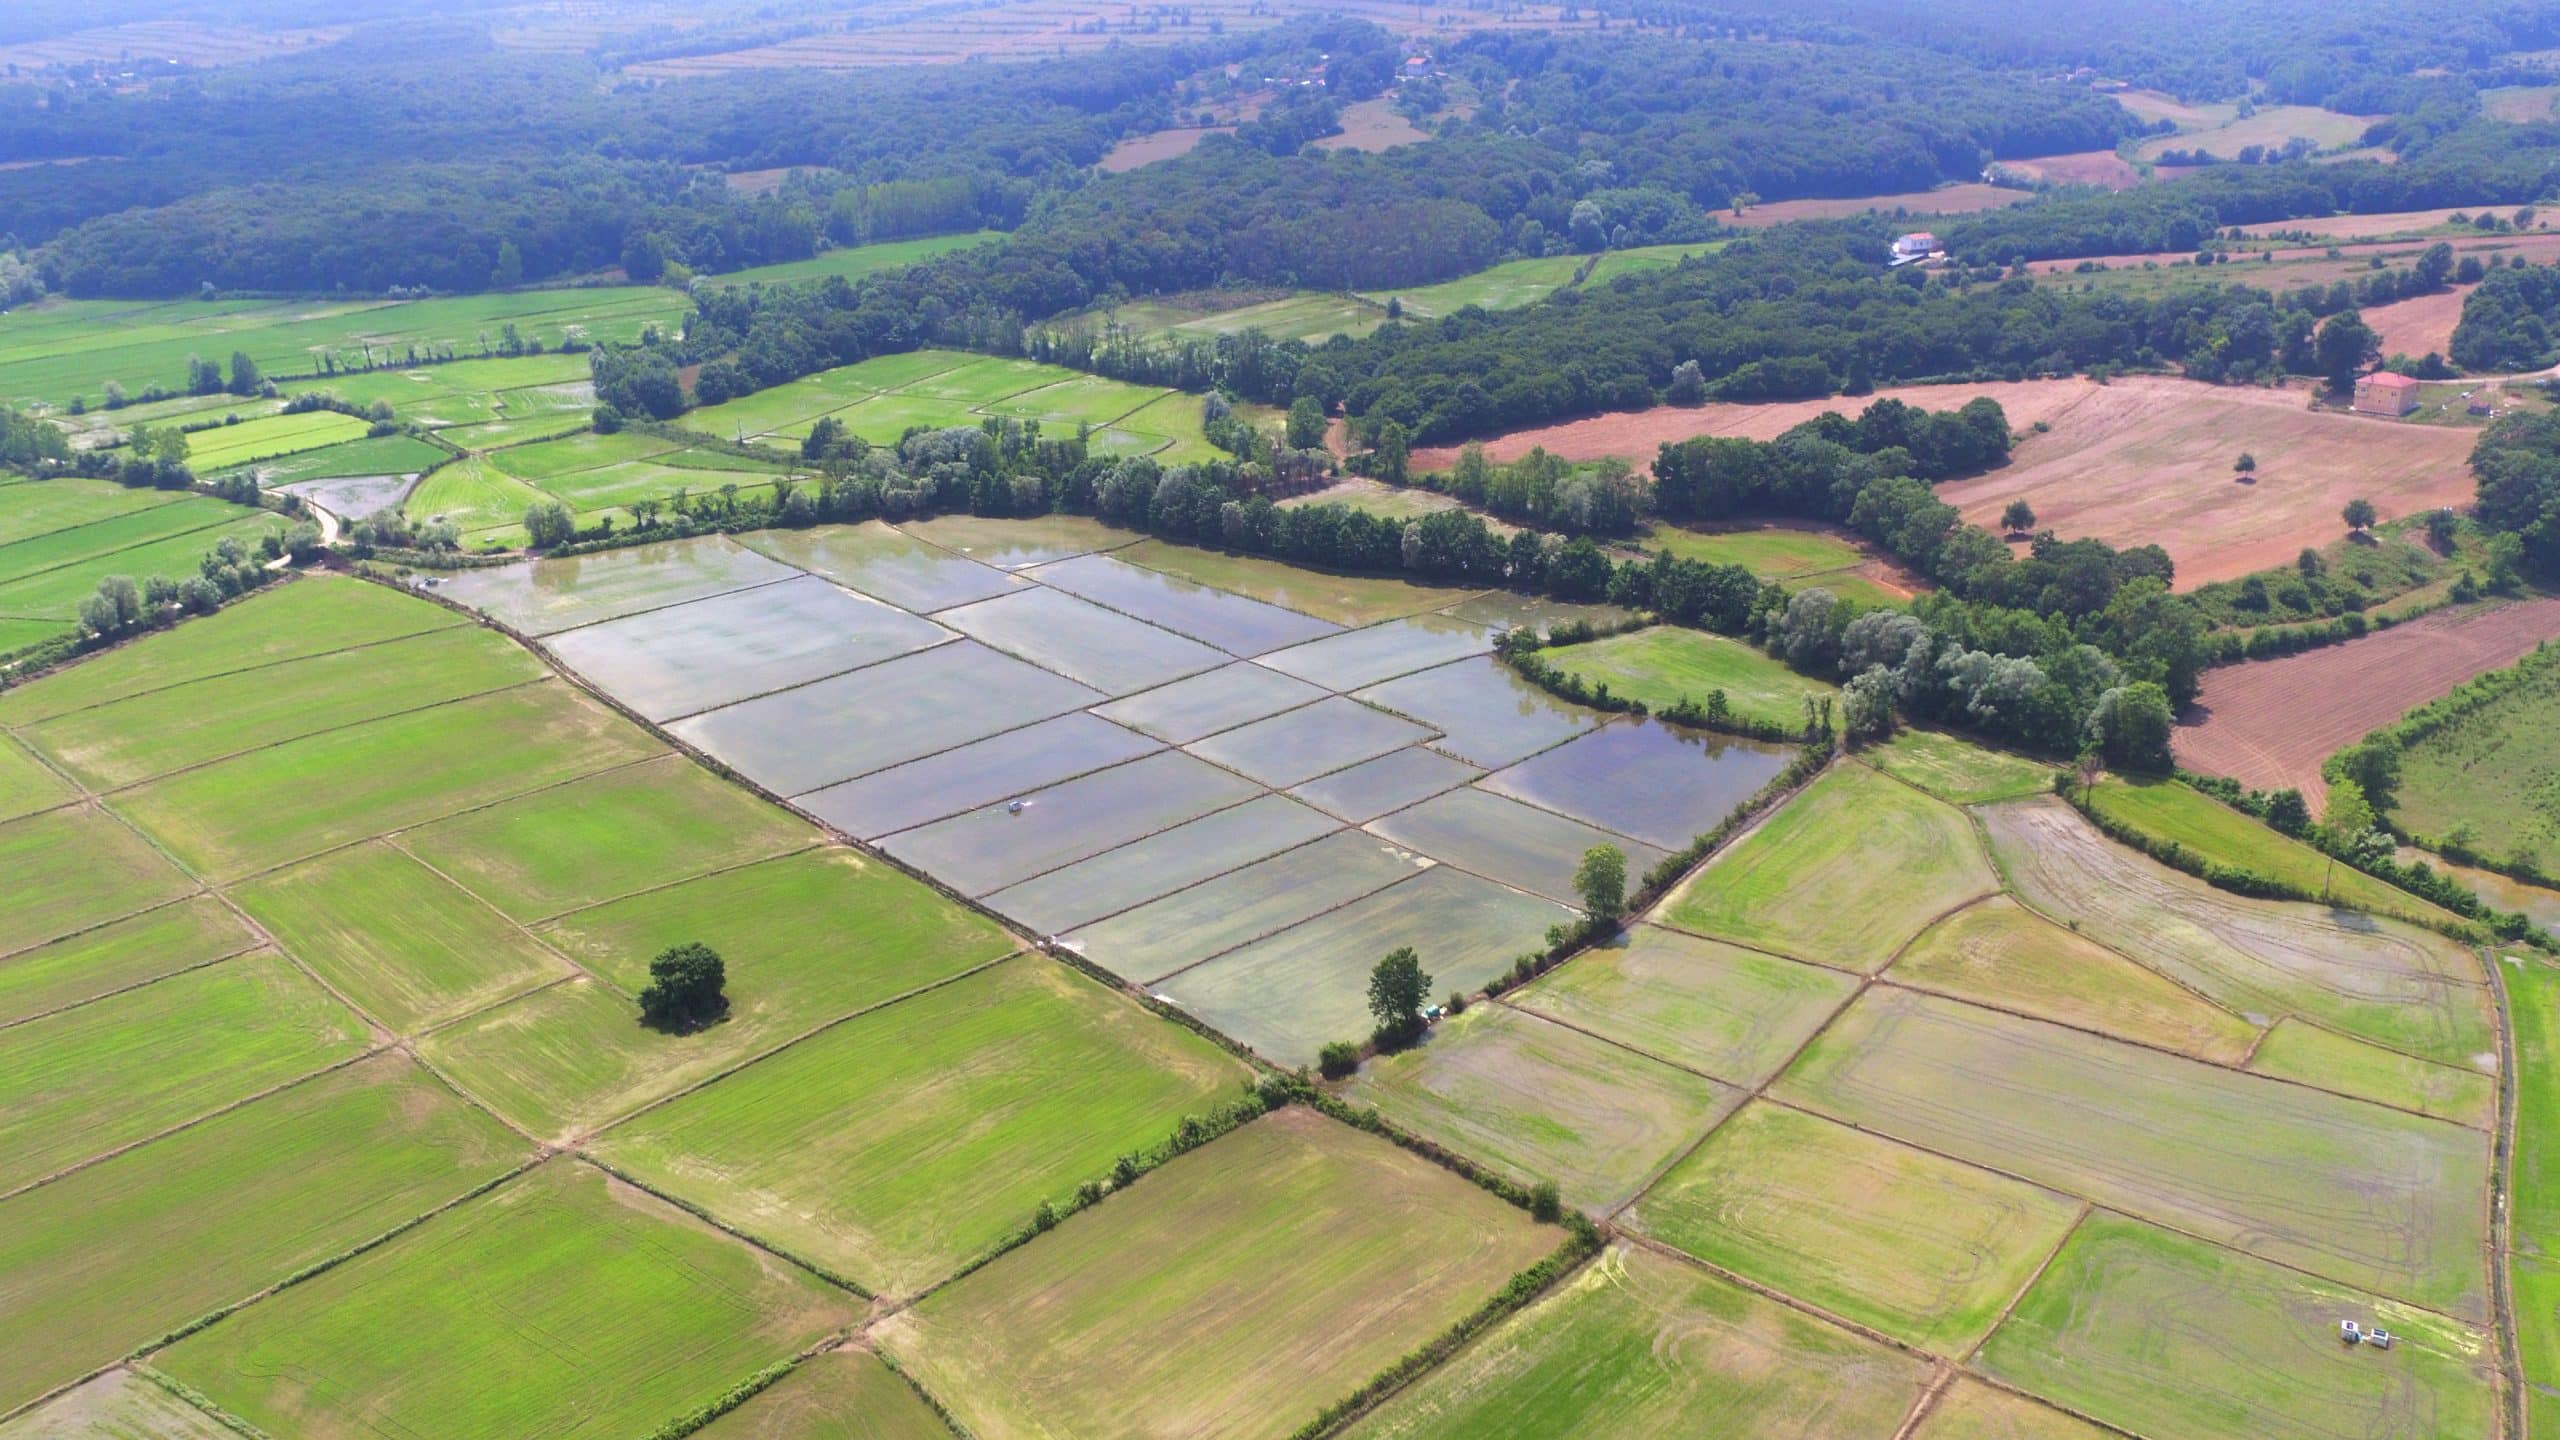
{"points": [[2419, 324], [1945, 200], [2269, 723]]}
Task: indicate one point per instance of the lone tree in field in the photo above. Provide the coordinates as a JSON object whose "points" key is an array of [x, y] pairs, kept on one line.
{"points": [[1397, 990], [687, 988], [2247, 464], [2019, 518], [2359, 515], [1601, 880]]}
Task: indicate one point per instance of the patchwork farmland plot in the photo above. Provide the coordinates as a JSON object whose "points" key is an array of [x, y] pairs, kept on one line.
{"points": [[1718, 1009], [1665, 665]]}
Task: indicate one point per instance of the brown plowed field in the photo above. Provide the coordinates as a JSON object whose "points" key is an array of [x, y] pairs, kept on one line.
{"points": [[2146, 460], [2419, 324], [2269, 723], [1962, 199]]}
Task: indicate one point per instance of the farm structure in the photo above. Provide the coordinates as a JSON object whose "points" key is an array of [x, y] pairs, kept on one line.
{"points": [[2384, 393]]}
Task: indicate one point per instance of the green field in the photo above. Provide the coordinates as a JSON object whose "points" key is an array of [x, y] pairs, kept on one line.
{"points": [[119, 744], [1770, 553], [388, 455], [1803, 882], [1956, 771], [60, 348], [608, 835], [896, 1147], [2489, 768], [45, 576], [2180, 814], [120, 954], [223, 820], [1729, 1012], [123, 1252], [852, 261], [1162, 1311], [35, 508], [70, 869], [1667, 664], [1538, 1101], [83, 1081], [2533, 990], [561, 1302], [838, 1395], [1918, 1246], [394, 937], [2002, 954], [2177, 1339], [1636, 1343], [2296, 1051], [587, 451], [26, 784], [213, 451], [471, 495]]}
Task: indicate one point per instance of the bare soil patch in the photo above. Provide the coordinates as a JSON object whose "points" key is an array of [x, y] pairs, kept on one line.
{"points": [[2419, 324], [1372, 125], [2269, 723], [1962, 199], [1157, 145], [2086, 167]]}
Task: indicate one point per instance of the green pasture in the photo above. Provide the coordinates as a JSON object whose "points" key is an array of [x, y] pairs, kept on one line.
{"points": [[1770, 553], [896, 1147], [83, 1081], [111, 535], [2296, 1051], [1515, 283], [129, 741], [111, 1257], [395, 938], [852, 261], [2180, 814], [1162, 1309], [1538, 1101], [213, 451], [43, 507], [26, 785], [2226, 131], [463, 1327], [119, 955], [309, 615], [588, 450], [2000, 953], [2171, 1337], [388, 455], [472, 494], [1805, 882], [1918, 1246], [1730, 1012], [836, 1395], [2489, 769], [612, 834], [1638, 1343], [1312, 316], [2533, 997], [57, 349], [1666, 664], [230, 818], [1956, 771], [70, 869], [2288, 1173]]}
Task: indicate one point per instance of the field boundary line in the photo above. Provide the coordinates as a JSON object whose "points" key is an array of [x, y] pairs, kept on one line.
{"points": [[23, 725], [1775, 1295], [702, 1213], [951, 637], [1186, 969], [68, 1006], [138, 544], [732, 868], [194, 1399], [2514, 1415], [1338, 829], [201, 891], [2015, 1296], [529, 639], [1942, 1377], [390, 840]]}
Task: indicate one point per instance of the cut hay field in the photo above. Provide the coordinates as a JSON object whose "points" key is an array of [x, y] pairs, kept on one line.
{"points": [[2221, 131], [2491, 768], [1515, 283], [2269, 723], [1958, 771], [1666, 664], [1959, 199], [1160, 1310], [852, 261], [2183, 815]]}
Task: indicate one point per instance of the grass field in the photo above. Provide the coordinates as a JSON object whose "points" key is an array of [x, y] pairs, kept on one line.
{"points": [[1733, 1013], [839, 1395], [1666, 664], [1515, 283], [2297, 1051], [851, 261], [213, 451], [2181, 1340], [1916, 1245], [70, 869], [2491, 769], [1539, 1101], [26, 784], [1160, 1310], [1771, 552], [2533, 989], [896, 1147], [2181, 814], [1971, 1410], [1956, 771], [127, 1250], [1802, 882], [2222, 131], [2002, 954], [2365, 1195], [1636, 1343], [563, 1301], [120, 954], [80, 1082], [394, 937]]}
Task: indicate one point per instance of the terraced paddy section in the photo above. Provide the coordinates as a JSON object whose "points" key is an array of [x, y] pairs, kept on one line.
{"points": [[116, 956], [1353, 600], [454, 1328], [839, 1395], [887, 564], [1002, 845], [2373, 978], [708, 653], [2366, 1195], [1234, 623], [1158, 1311], [1717, 1009], [2164, 1335], [1391, 782], [1123, 879], [897, 1147], [396, 938], [1504, 840], [266, 438], [1082, 641], [1638, 1343], [223, 821], [1539, 1101], [1383, 651], [1660, 783], [965, 777], [2002, 955], [1296, 746], [1287, 996], [1486, 715], [81, 1082], [1265, 898], [1957, 771], [1199, 706], [1805, 882], [1921, 1247], [108, 1258], [1667, 664], [554, 595]]}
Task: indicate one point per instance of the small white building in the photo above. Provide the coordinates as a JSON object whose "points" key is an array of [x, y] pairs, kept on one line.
{"points": [[1918, 245]]}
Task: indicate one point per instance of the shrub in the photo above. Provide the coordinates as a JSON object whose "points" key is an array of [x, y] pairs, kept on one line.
{"points": [[1338, 1059], [1544, 1202]]}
